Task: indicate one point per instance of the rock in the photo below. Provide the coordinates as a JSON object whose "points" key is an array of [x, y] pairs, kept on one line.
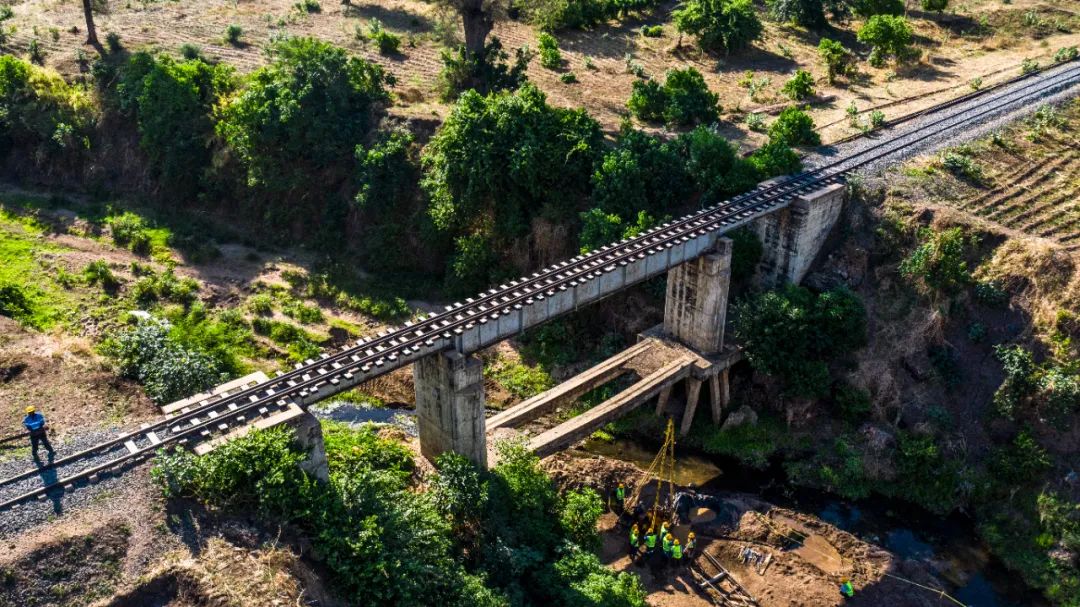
{"points": [[876, 438], [742, 416]]}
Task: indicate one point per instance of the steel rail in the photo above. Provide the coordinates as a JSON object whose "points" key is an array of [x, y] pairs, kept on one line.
{"points": [[740, 209]]}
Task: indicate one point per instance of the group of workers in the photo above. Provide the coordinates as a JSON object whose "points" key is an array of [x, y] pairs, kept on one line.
{"points": [[673, 553]]}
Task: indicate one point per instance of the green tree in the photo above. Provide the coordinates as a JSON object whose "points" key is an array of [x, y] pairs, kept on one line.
{"points": [[387, 174], [640, 174], [807, 13], [888, 36], [869, 8], [794, 127], [793, 334], [648, 101], [599, 229], [41, 113], [836, 56], [719, 25], [173, 102], [775, 158], [689, 100], [295, 127], [714, 164], [800, 86], [937, 6]]}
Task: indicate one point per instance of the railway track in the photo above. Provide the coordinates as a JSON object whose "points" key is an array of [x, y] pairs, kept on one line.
{"points": [[332, 373]]}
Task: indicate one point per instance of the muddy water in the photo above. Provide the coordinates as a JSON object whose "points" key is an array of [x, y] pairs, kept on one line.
{"points": [[948, 546]]}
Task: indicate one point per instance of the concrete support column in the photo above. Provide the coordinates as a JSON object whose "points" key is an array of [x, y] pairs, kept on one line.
{"points": [[662, 400], [450, 406], [693, 392], [309, 435], [792, 237], [721, 396], [696, 304]]}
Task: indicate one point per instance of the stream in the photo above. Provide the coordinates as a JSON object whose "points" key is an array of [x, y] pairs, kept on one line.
{"points": [[948, 546]]}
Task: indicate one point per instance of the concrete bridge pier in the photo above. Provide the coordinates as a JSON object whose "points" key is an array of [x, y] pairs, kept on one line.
{"points": [[450, 405], [695, 309], [792, 237]]}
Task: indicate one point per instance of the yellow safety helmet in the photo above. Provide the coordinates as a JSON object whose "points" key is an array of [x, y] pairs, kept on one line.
{"points": [[652, 530], [620, 484], [30, 409], [676, 541], [691, 536], [635, 527], [668, 536]]}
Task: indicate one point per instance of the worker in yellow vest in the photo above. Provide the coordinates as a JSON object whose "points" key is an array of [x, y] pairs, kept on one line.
{"points": [[650, 542], [676, 554], [620, 498], [691, 545], [632, 548], [668, 542]]}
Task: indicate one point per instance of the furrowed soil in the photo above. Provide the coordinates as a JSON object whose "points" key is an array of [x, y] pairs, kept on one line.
{"points": [[982, 42]]}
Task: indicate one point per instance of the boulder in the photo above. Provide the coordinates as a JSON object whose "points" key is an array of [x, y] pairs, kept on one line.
{"points": [[742, 416]]}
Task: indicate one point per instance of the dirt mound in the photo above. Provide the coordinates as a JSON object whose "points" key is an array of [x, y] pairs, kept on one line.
{"points": [[574, 472]]}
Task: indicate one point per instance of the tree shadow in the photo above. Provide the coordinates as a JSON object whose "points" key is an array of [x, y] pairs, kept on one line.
{"points": [[393, 18]]}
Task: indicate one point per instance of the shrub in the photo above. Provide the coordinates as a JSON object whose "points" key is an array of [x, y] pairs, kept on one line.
{"points": [[112, 41], [14, 302], [233, 32], [792, 334], [302, 312], [683, 100], [652, 31], [800, 86], [568, 78], [775, 158], [486, 73], [888, 36], [126, 227], [755, 121], [836, 56], [807, 13], [296, 125], [308, 6], [261, 304], [388, 42], [938, 263], [40, 113], [1020, 379], [852, 404], [190, 51], [550, 57], [165, 286], [794, 127], [714, 164], [719, 25], [1068, 53], [98, 273], [166, 369], [598, 229], [172, 102], [934, 5], [639, 173], [6, 13], [521, 380], [1028, 66], [581, 510], [963, 167]]}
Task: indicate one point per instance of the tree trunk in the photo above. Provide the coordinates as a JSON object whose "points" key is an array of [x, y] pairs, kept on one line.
{"points": [[91, 31], [478, 24]]}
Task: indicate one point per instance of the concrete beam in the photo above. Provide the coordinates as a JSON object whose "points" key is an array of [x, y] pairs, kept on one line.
{"points": [[792, 237], [582, 426], [450, 406], [540, 404]]}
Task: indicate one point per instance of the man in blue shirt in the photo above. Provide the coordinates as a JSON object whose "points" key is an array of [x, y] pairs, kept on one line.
{"points": [[35, 424]]}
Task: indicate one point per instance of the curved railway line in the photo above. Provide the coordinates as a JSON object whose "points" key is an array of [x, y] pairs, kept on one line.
{"points": [[315, 380]]}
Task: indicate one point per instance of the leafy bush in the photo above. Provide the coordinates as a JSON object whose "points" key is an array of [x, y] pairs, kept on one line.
{"points": [[98, 273], [167, 370], [714, 164], [233, 32], [14, 302], [1020, 379], [165, 286], [40, 113], [1028, 66], [794, 127], [684, 99], [568, 78], [925, 475], [938, 263], [550, 57], [800, 86], [793, 334], [807, 13], [302, 312], [1068, 53], [852, 404], [299, 120], [521, 380], [598, 229], [387, 42], [755, 121], [639, 173], [719, 25], [652, 31], [172, 102], [888, 36], [934, 5], [963, 166], [308, 6], [836, 56], [775, 158], [486, 73]]}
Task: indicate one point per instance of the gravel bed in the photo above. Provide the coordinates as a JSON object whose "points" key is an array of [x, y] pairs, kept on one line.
{"points": [[913, 143]]}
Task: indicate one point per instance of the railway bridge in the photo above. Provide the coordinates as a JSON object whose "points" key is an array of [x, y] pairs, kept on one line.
{"points": [[792, 215]]}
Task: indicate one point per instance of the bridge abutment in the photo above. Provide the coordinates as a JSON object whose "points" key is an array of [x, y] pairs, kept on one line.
{"points": [[450, 405], [695, 309], [792, 237]]}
